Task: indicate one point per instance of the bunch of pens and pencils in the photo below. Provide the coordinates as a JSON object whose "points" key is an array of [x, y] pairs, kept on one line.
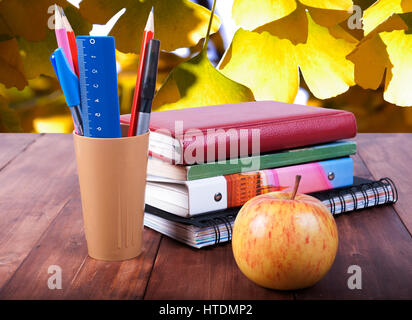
{"points": [[145, 81], [86, 69]]}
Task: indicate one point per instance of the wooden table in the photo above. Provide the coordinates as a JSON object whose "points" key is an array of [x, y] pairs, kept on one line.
{"points": [[41, 225]]}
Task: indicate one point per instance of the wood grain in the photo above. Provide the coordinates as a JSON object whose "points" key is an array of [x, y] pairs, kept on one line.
{"points": [[34, 189], [41, 225], [116, 280], [182, 272], [12, 145], [390, 155], [62, 245], [377, 242]]}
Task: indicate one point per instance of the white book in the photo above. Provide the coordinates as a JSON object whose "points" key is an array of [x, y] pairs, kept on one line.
{"points": [[188, 198]]}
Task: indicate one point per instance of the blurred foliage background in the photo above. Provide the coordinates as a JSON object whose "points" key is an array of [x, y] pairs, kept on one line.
{"points": [[39, 106]]}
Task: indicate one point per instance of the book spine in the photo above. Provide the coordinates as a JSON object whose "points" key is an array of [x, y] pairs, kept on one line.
{"points": [[272, 137], [316, 176], [274, 160], [217, 193]]}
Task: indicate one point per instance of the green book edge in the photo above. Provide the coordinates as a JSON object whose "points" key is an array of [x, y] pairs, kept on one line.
{"points": [[274, 160]]}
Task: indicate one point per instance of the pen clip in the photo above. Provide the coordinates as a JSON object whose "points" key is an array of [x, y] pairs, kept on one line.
{"points": [[53, 62], [69, 82]]}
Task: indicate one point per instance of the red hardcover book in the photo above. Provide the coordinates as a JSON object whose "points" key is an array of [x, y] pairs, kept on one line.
{"points": [[207, 134]]}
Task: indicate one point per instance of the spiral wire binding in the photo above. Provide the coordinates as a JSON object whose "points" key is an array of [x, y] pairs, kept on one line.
{"points": [[387, 181], [386, 184], [225, 223], [355, 200], [342, 201], [213, 224], [365, 196], [380, 184], [352, 191], [332, 204], [230, 227]]}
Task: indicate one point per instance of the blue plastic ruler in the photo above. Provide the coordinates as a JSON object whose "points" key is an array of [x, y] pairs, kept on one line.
{"points": [[98, 86]]}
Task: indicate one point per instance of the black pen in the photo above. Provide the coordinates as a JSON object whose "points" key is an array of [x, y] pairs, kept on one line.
{"points": [[148, 88]]}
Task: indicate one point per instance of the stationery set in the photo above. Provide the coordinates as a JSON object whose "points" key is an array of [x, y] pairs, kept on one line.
{"points": [[195, 199], [204, 163], [111, 160], [86, 69]]}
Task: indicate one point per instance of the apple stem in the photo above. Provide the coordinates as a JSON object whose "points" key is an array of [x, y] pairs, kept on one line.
{"points": [[295, 188]]}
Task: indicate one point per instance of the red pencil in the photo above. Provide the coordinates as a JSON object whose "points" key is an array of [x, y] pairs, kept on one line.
{"points": [[147, 35], [72, 42]]}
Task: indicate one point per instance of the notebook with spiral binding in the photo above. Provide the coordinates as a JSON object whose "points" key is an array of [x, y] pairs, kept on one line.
{"points": [[214, 228]]}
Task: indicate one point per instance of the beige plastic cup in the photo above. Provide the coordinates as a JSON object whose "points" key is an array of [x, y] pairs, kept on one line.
{"points": [[112, 177]]}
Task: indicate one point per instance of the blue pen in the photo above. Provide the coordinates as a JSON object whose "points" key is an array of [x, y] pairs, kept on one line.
{"points": [[70, 86]]}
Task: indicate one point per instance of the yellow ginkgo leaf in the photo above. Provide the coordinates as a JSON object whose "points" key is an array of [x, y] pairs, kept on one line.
{"points": [[339, 33], [269, 65], [386, 49], [196, 83], [265, 64], [371, 60], [11, 67], [293, 27], [322, 60], [398, 86], [9, 119], [406, 5], [36, 54], [328, 18], [27, 19], [344, 5], [22, 59], [177, 23], [379, 12], [252, 14], [325, 12]]}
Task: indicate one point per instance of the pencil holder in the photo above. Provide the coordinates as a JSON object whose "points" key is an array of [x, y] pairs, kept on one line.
{"points": [[112, 177]]}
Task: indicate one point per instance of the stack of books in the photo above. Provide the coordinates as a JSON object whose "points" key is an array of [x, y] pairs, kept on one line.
{"points": [[205, 163]]}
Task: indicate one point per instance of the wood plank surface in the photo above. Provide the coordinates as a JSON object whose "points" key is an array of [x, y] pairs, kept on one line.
{"points": [[34, 188], [182, 272], [63, 245], [377, 242], [390, 155], [41, 225], [374, 239], [116, 280], [12, 145]]}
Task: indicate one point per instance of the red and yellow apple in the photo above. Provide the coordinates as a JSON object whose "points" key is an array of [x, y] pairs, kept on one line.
{"points": [[284, 244]]}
